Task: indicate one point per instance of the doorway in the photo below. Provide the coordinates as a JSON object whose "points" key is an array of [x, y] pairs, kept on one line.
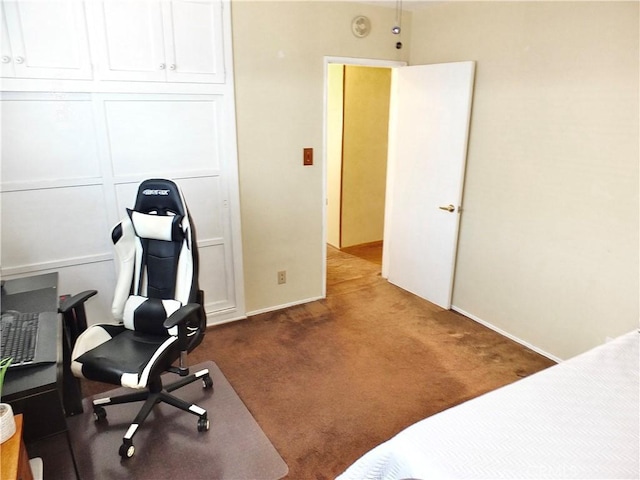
{"points": [[357, 148], [354, 174], [428, 132]]}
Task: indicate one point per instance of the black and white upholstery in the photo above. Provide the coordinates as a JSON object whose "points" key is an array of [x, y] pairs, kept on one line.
{"points": [[158, 308]]}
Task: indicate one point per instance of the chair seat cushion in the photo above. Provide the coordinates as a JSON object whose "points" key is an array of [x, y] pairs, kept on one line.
{"points": [[128, 358]]}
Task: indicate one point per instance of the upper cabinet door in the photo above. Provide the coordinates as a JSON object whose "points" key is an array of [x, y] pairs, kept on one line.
{"points": [[6, 55], [161, 41], [128, 38], [193, 41], [47, 40]]}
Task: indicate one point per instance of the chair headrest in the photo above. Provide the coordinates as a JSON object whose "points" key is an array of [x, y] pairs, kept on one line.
{"points": [[157, 227], [160, 197]]}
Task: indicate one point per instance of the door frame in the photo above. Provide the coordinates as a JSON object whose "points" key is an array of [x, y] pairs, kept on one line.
{"points": [[363, 62]]}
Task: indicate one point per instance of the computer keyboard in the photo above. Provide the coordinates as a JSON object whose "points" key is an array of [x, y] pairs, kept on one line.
{"points": [[19, 333]]}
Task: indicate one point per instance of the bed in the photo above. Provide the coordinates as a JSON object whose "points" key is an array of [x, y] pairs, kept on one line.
{"points": [[578, 419]]}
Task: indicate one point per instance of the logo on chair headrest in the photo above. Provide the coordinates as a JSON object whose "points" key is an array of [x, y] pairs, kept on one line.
{"points": [[149, 191]]}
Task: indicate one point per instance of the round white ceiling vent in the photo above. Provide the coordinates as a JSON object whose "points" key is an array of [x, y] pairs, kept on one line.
{"points": [[361, 26]]}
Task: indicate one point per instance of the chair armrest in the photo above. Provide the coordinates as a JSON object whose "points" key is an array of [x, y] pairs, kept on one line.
{"points": [[74, 316], [182, 315], [77, 299]]}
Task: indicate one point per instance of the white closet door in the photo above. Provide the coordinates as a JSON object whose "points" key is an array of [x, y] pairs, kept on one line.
{"points": [[6, 66], [48, 39], [179, 138], [129, 40], [193, 39]]}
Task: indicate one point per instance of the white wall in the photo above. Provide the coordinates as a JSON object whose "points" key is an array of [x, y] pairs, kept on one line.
{"points": [[549, 242], [279, 50]]}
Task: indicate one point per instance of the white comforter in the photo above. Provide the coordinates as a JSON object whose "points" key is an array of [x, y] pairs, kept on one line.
{"points": [[578, 419]]}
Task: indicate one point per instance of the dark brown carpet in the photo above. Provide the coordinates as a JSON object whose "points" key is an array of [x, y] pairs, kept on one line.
{"points": [[331, 379], [168, 445]]}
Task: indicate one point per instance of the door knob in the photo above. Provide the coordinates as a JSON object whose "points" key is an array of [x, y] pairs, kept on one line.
{"points": [[449, 208]]}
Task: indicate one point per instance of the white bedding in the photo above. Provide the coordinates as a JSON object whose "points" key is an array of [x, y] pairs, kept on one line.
{"points": [[578, 419]]}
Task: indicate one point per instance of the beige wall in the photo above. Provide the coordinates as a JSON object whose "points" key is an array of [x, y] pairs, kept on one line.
{"points": [[357, 131], [335, 98], [279, 73], [364, 163], [549, 236]]}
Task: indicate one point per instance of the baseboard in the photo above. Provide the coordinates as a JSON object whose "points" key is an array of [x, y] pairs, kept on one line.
{"points": [[223, 320], [377, 243], [504, 333], [285, 305], [220, 316], [507, 334]]}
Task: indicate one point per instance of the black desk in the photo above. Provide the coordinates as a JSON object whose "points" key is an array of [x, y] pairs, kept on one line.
{"points": [[36, 391], [40, 392]]}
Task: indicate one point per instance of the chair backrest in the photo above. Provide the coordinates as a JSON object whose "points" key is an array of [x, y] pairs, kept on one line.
{"points": [[158, 258]]}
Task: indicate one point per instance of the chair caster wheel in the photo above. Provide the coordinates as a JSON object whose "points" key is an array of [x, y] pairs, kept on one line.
{"points": [[126, 451], [207, 383], [99, 414], [203, 424]]}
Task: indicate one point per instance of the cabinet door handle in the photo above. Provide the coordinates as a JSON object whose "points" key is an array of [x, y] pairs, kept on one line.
{"points": [[6, 59], [172, 66], [448, 208], [19, 60], [162, 66]]}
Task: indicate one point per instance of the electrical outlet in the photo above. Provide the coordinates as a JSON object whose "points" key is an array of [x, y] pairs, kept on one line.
{"points": [[282, 277]]}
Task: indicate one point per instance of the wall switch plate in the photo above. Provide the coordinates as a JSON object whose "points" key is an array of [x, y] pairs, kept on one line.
{"points": [[307, 156], [282, 277]]}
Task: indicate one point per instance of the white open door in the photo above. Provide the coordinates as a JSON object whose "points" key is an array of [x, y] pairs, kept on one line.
{"points": [[428, 131]]}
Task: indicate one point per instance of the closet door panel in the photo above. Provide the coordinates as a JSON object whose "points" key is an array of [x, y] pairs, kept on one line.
{"points": [[48, 39], [216, 279], [60, 141], [204, 197], [167, 137], [125, 197], [206, 205], [31, 237], [128, 36], [98, 276], [194, 41], [6, 64]]}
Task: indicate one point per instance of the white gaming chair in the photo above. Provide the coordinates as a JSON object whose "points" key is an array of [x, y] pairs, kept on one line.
{"points": [[158, 307]]}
